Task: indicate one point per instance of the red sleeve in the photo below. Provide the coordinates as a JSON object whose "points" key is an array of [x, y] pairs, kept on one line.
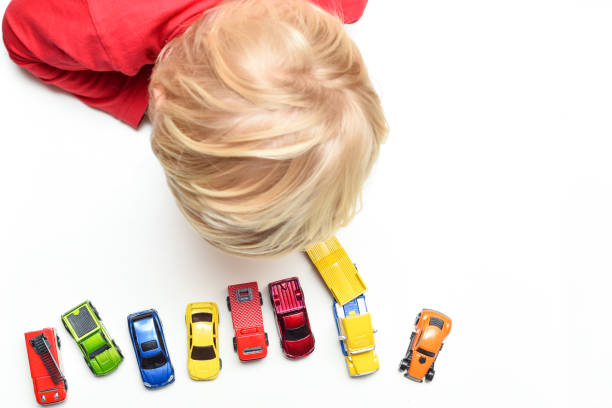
{"points": [[58, 43], [349, 10]]}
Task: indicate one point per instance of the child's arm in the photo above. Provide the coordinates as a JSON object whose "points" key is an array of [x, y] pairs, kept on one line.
{"points": [[57, 42]]}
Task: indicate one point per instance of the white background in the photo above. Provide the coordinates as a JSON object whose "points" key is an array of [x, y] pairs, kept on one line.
{"points": [[491, 202]]}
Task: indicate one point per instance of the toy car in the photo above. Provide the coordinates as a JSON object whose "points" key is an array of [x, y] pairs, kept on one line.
{"points": [[337, 270], [291, 317], [244, 301], [149, 344], [100, 352], [425, 343], [202, 319], [356, 335], [43, 346]]}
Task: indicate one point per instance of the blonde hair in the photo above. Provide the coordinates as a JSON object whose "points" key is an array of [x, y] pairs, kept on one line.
{"points": [[268, 125]]}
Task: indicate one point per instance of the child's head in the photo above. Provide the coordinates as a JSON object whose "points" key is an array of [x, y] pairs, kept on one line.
{"points": [[267, 125]]}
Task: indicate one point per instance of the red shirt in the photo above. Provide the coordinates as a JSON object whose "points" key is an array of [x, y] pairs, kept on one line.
{"points": [[102, 51]]}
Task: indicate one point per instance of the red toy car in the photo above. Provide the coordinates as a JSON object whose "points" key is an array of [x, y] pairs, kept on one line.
{"points": [[49, 384], [291, 317], [244, 301]]}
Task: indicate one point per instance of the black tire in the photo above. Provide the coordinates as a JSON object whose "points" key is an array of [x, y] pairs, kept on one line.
{"points": [[417, 319], [89, 365], [66, 385], [260, 299], [220, 364], [118, 349], [403, 365], [59, 342], [430, 375], [235, 345], [229, 305], [267, 343], [65, 326], [95, 311]]}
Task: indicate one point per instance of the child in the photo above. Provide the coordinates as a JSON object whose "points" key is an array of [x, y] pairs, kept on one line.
{"points": [[263, 115]]}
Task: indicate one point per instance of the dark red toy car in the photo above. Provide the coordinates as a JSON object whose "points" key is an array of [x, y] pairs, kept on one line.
{"points": [[50, 385], [244, 301], [291, 317]]}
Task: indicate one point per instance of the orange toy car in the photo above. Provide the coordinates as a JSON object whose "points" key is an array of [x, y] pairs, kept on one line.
{"points": [[425, 344]]}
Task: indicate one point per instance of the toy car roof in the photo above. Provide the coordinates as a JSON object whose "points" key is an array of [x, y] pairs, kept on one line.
{"points": [[337, 270], [246, 305], [83, 322], [42, 347], [287, 295]]}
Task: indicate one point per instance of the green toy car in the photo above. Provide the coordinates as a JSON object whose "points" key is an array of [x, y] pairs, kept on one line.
{"points": [[100, 352]]}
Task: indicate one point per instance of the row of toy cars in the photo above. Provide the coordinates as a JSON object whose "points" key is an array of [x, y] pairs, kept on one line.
{"points": [[354, 323], [102, 355]]}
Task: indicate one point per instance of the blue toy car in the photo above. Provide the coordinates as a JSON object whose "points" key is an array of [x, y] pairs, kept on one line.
{"points": [[150, 347]]}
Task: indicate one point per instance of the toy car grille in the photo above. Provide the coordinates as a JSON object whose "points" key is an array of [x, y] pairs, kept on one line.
{"points": [[149, 345], [82, 323], [434, 321], [41, 345], [244, 294]]}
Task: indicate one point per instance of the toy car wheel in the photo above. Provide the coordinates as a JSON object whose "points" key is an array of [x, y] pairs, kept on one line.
{"points": [[430, 375], [95, 311], [403, 365], [229, 305], [260, 299], [89, 365], [66, 385], [118, 349], [65, 326], [59, 342], [220, 364], [267, 344], [235, 345], [417, 319]]}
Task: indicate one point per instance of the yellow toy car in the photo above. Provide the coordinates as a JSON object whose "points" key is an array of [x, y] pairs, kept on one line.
{"points": [[338, 272], [202, 321], [356, 336]]}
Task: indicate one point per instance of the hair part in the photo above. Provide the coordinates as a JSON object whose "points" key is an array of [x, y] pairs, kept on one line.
{"points": [[268, 125]]}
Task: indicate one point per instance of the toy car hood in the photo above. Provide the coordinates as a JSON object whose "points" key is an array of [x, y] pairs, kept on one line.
{"points": [[300, 347], [359, 332], [206, 369], [362, 363], [158, 377], [106, 361]]}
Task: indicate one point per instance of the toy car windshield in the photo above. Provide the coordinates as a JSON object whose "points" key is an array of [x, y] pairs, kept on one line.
{"points": [[297, 333], [151, 363], [203, 353]]}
